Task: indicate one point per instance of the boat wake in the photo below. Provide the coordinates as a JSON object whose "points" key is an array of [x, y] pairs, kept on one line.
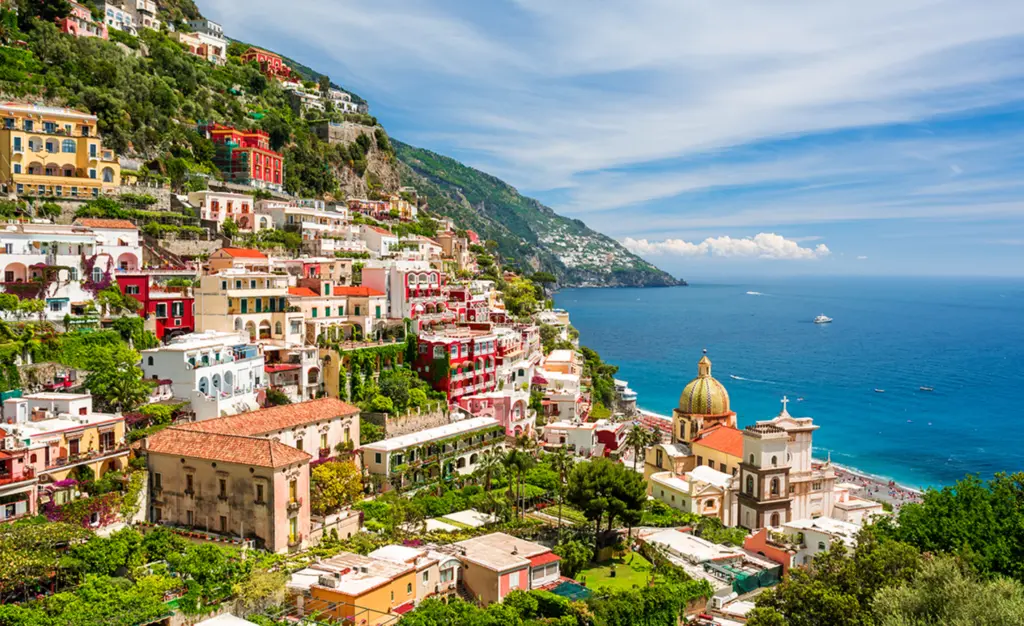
{"points": [[752, 380], [756, 293]]}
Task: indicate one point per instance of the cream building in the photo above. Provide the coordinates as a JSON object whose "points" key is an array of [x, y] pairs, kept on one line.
{"points": [[256, 303]]}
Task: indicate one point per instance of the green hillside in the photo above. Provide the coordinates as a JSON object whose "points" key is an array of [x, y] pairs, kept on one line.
{"points": [[528, 233]]}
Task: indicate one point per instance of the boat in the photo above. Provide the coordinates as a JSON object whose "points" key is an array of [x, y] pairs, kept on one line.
{"points": [[927, 388], [879, 390], [823, 319]]}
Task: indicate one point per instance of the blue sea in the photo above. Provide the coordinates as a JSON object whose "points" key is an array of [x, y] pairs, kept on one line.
{"points": [[963, 337]]}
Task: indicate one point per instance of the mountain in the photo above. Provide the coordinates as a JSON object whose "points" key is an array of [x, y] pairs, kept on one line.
{"points": [[527, 232]]}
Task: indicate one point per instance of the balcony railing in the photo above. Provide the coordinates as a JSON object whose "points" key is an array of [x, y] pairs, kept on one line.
{"points": [[295, 505], [91, 455], [27, 473], [294, 540]]}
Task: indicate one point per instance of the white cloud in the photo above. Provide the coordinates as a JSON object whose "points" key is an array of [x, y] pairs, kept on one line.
{"points": [[760, 246], [862, 258]]}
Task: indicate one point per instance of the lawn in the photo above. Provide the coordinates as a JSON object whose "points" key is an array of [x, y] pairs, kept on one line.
{"points": [[632, 569]]}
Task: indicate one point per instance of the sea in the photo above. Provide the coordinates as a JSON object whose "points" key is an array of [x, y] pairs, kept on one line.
{"points": [[859, 377]]}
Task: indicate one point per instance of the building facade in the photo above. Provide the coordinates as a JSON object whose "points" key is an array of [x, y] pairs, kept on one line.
{"points": [[244, 157], [269, 63], [170, 309], [54, 152], [460, 362]]}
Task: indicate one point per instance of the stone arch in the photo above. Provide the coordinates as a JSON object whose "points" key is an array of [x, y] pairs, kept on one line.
{"points": [[264, 329], [108, 174], [774, 520], [461, 463], [15, 273], [238, 323], [229, 382], [110, 465], [313, 378], [473, 458], [204, 386], [773, 487]]}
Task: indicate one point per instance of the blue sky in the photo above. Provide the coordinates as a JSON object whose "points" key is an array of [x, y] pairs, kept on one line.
{"points": [[724, 138]]}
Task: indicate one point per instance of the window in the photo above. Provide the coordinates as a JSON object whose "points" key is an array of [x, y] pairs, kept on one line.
{"points": [[711, 464], [816, 486], [132, 290], [751, 459], [177, 309], [73, 273], [189, 515], [92, 174], [775, 519], [659, 457], [97, 272], [377, 313], [513, 581], [734, 471], [189, 483], [52, 146], [775, 461], [293, 490], [106, 441], [68, 146], [17, 145], [773, 487], [376, 457], [157, 481], [223, 284], [223, 524], [700, 460], [222, 485], [56, 306], [92, 152], [17, 168], [792, 489], [150, 361], [323, 440], [293, 530], [259, 493], [314, 311], [426, 577], [821, 545], [27, 126], [408, 588], [298, 444], [327, 312], [750, 485], [9, 123], [161, 310]]}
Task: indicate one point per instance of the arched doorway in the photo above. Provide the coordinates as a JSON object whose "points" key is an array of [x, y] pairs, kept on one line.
{"points": [[204, 386], [229, 382], [15, 273], [264, 329], [313, 378], [250, 327], [127, 262]]}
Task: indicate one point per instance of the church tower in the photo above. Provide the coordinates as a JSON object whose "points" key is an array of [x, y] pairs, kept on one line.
{"points": [[704, 403]]}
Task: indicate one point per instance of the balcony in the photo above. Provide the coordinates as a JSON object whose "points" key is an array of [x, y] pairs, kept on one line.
{"points": [[87, 457], [325, 452], [295, 540], [26, 474], [294, 505]]}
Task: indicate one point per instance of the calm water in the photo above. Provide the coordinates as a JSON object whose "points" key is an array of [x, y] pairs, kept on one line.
{"points": [[964, 337]]}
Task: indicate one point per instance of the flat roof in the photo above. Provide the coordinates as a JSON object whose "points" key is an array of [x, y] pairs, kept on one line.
{"points": [[561, 356], [671, 480], [471, 517], [354, 574], [846, 531], [55, 395], [431, 434], [711, 476], [500, 552]]}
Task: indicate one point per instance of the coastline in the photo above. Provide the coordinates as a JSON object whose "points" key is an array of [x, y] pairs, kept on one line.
{"points": [[871, 486]]}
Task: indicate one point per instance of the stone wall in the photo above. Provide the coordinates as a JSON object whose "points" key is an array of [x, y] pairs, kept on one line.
{"points": [[190, 247], [414, 421]]}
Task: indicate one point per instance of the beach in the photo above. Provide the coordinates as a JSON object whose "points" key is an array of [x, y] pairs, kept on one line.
{"points": [[878, 489]]}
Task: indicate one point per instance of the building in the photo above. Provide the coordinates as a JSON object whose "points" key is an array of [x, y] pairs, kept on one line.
{"points": [[611, 436], [244, 157], [326, 429], [459, 362], [246, 258], [724, 567], [218, 206], [563, 399], [437, 573], [146, 14], [18, 480], [54, 152], [205, 43], [341, 101], [238, 299], [117, 243], [61, 433], [379, 241], [814, 536], [495, 564], [847, 507], [80, 23], [564, 362], [235, 485], [219, 373], [578, 437], [702, 491], [779, 481], [355, 589], [425, 456], [511, 408], [269, 63], [118, 16], [303, 101], [414, 290], [294, 371], [168, 311], [336, 313]]}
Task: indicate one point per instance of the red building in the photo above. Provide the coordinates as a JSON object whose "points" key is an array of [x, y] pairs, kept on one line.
{"points": [[471, 362], [80, 23], [245, 157], [171, 307], [613, 435], [270, 64]]}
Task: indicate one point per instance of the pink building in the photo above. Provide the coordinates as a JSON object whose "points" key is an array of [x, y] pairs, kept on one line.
{"points": [[495, 564], [18, 482], [80, 23], [612, 435], [510, 408]]}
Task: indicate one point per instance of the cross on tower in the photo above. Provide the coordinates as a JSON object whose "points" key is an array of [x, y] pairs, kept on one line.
{"points": [[785, 401]]}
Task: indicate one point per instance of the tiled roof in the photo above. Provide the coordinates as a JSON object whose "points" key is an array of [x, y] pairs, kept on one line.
{"points": [[724, 439], [96, 222], [243, 253], [266, 421], [382, 231], [544, 559], [357, 291], [302, 292], [227, 448]]}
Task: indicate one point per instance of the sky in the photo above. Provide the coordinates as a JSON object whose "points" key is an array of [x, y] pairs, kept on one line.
{"points": [[717, 138]]}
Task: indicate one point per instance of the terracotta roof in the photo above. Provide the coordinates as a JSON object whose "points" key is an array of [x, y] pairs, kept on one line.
{"points": [[266, 421], [302, 292], [97, 222], [357, 291], [544, 559], [724, 439], [243, 253], [380, 230], [227, 448]]}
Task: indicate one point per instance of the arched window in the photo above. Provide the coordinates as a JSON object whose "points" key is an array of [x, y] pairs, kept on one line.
{"points": [[751, 459], [108, 175], [821, 545], [709, 504], [97, 274], [35, 144], [68, 146], [278, 329], [775, 461], [774, 487], [775, 519], [750, 485], [150, 361], [51, 146]]}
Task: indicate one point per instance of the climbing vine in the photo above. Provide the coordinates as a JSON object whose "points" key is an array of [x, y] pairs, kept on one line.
{"points": [[96, 286]]}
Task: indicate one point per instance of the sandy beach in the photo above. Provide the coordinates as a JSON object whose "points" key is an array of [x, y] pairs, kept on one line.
{"points": [[879, 489]]}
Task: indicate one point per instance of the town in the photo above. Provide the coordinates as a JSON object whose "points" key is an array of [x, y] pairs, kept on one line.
{"points": [[227, 403]]}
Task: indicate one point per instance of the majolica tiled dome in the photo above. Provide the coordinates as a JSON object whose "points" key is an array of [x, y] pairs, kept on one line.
{"points": [[704, 395]]}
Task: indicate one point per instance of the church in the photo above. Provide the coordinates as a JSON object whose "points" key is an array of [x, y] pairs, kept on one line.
{"points": [[762, 475]]}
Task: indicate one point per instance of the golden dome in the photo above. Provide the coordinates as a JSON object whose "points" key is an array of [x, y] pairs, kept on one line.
{"points": [[704, 395]]}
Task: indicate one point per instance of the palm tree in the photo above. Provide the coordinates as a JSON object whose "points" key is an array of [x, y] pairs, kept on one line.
{"points": [[489, 466], [562, 463], [517, 462], [639, 439]]}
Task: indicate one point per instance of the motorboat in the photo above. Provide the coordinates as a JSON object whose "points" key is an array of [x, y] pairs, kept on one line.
{"points": [[927, 388], [823, 319], [879, 390]]}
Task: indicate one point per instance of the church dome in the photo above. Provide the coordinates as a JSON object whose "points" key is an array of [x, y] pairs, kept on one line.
{"points": [[704, 395]]}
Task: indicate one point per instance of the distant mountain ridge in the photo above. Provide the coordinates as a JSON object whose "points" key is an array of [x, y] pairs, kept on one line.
{"points": [[527, 232]]}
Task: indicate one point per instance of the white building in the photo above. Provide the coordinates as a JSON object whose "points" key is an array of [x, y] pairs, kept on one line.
{"points": [[579, 437], [702, 490], [220, 373], [342, 101], [378, 240], [814, 536], [119, 17], [414, 289], [217, 206], [118, 241]]}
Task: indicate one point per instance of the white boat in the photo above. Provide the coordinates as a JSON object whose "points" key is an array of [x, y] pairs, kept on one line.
{"points": [[823, 319], [879, 390]]}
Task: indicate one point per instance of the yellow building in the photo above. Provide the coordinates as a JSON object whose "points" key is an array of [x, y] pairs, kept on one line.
{"points": [[357, 589], [49, 151], [704, 430]]}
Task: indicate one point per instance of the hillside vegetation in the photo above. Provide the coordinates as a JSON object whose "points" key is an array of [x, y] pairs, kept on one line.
{"points": [[528, 233]]}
